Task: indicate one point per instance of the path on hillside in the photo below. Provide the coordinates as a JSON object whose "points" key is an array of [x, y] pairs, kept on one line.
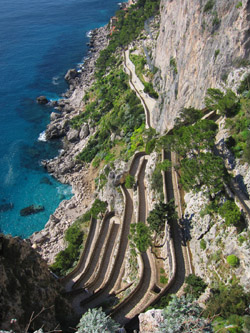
{"points": [[105, 293], [69, 280], [131, 305], [136, 84]]}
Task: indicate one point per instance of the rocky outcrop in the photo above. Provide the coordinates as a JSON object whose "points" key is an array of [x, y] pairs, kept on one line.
{"points": [[42, 100], [28, 286], [150, 321], [211, 241], [71, 75], [196, 49]]}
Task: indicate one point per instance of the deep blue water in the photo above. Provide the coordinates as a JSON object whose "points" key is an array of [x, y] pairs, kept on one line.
{"points": [[39, 41]]}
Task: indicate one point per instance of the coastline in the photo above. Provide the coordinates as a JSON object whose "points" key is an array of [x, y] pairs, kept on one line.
{"points": [[50, 240]]}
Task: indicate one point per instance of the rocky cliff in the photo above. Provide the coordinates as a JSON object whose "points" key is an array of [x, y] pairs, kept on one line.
{"points": [[199, 44], [28, 289]]}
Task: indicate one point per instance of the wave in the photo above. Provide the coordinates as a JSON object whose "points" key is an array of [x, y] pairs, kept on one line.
{"points": [[55, 80], [42, 137], [64, 193], [89, 34]]}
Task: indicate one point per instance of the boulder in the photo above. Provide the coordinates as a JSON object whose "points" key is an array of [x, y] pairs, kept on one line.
{"points": [[33, 209], [55, 116], [42, 100], [7, 206], [150, 321], [84, 131], [45, 180], [56, 130], [73, 135], [70, 75]]}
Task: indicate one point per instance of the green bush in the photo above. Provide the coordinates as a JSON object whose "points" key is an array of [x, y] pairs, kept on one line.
{"points": [[227, 300], [233, 260], [209, 5], [183, 315], [65, 259], [227, 104], [203, 244], [195, 286], [96, 321], [140, 236], [207, 169], [129, 181], [150, 146], [230, 212], [157, 181], [188, 116], [173, 64], [149, 89], [244, 85], [160, 214], [216, 53], [163, 279], [239, 4]]}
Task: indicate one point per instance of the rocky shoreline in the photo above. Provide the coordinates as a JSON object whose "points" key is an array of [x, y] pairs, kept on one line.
{"points": [[49, 241]]}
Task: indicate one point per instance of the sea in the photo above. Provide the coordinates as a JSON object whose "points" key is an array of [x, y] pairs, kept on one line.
{"points": [[39, 41]]}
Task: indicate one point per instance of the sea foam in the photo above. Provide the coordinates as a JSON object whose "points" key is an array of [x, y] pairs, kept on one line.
{"points": [[42, 137]]}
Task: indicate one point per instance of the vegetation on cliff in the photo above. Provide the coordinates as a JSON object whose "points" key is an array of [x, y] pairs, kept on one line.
{"points": [[75, 237]]}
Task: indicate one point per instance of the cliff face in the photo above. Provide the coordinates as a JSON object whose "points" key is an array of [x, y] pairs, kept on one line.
{"points": [[197, 47], [27, 286]]}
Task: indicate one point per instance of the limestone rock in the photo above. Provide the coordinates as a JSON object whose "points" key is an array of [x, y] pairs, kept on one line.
{"points": [[84, 132], [150, 321], [73, 135], [71, 74], [55, 116], [187, 35]]}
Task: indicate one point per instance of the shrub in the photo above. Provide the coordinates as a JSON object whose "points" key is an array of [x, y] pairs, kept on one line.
{"points": [[227, 300], [188, 116], [163, 279], [195, 285], [233, 260], [227, 104], [157, 181], [244, 85], [96, 321], [173, 64], [208, 6], [203, 244], [216, 53], [160, 214], [183, 315], [231, 212], [239, 4], [150, 146], [129, 181], [149, 89], [140, 236], [165, 165]]}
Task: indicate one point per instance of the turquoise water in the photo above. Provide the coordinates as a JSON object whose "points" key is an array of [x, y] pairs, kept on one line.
{"points": [[39, 41]]}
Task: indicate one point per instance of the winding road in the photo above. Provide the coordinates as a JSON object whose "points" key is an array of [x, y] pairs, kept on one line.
{"points": [[97, 278]]}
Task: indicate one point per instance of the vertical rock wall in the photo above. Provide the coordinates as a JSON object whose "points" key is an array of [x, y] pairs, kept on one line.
{"points": [[196, 50]]}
